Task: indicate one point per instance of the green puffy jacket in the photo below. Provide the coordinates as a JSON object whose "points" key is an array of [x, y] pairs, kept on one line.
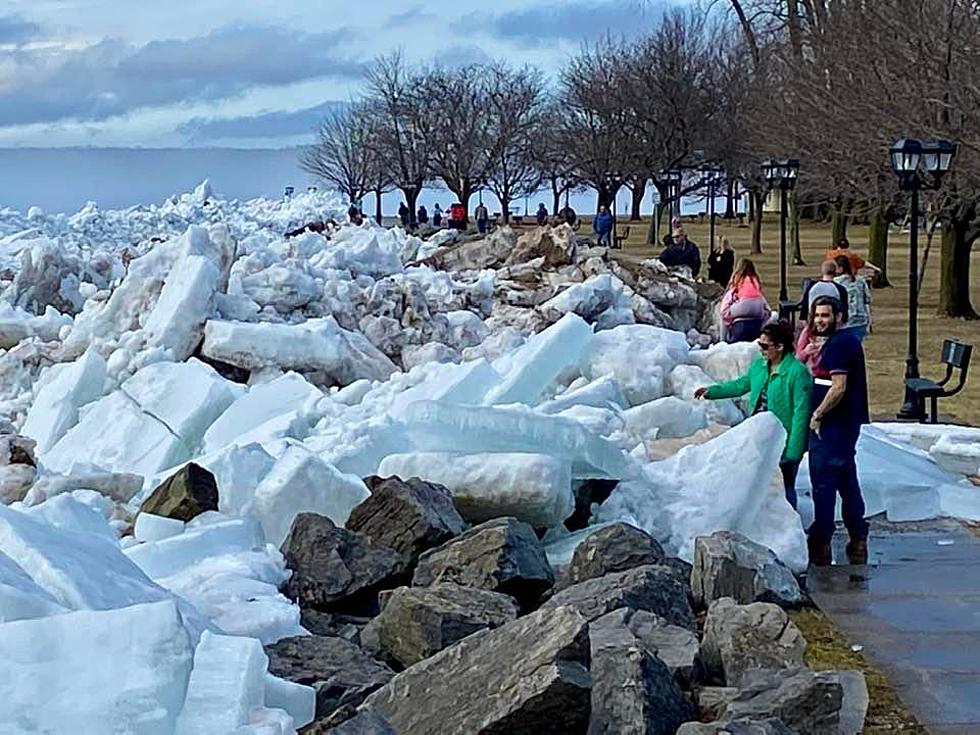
{"points": [[788, 397]]}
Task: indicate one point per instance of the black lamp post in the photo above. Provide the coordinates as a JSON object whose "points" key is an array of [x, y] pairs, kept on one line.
{"points": [[614, 180], [782, 174], [712, 176], [674, 177], [918, 166]]}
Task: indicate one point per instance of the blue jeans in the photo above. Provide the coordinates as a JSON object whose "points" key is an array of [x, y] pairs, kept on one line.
{"points": [[745, 330], [605, 238], [833, 470], [789, 468]]}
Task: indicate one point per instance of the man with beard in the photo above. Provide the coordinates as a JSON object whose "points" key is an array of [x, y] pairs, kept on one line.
{"points": [[840, 407]]}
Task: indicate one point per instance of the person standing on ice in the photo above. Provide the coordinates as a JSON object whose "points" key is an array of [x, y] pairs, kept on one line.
{"points": [[744, 309], [404, 214], [482, 217], [603, 226], [437, 215], [423, 215], [541, 215], [840, 407], [779, 383]]}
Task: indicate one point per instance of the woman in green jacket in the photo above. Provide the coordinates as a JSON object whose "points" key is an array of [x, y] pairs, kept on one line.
{"points": [[777, 382]]}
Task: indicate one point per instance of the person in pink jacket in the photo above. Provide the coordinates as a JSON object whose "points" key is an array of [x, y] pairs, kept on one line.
{"points": [[744, 309]]}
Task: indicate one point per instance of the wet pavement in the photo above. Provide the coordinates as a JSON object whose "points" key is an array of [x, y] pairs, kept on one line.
{"points": [[915, 608]]}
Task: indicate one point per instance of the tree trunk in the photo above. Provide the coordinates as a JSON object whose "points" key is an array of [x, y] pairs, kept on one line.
{"points": [[730, 200], [504, 198], [756, 200], [377, 204], [878, 246], [556, 193], [751, 207], [794, 228], [411, 199], [636, 193], [838, 225], [954, 286], [653, 232]]}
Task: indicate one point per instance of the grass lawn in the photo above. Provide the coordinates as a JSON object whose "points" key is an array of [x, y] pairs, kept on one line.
{"points": [[886, 346]]}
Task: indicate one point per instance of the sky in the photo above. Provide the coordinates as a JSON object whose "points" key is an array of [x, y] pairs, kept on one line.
{"points": [[252, 73]]}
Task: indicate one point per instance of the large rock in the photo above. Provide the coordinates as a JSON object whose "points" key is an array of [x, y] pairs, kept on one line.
{"points": [[340, 672], [615, 548], [712, 701], [184, 495], [727, 564], [677, 647], [770, 726], [633, 691], [502, 555], [363, 723], [417, 622], [809, 702], [409, 516], [529, 676], [653, 588], [333, 569], [334, 625], [740, 638]]}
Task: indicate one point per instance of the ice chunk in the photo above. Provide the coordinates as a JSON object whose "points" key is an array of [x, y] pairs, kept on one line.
{"points": [[260, 404], [170, 555], [638, 357], [64, 511], [663, 418], [599, 393], [150, 527], [237, 470], [439, 427], [317, 345], [683, 380], [596, 299], [298, 700], [541, 360], [534, 488], [724, 361], [560, 547], [352, 394], [63, 389], [226, 684], [119, 671], [301, 482], [20, 596], [465, 384], [185, 304], [466, 329]]}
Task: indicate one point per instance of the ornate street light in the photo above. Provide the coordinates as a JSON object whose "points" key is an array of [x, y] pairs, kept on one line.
{"points": [[782, 174], [712, 175], [917, 166], [614, 181]]}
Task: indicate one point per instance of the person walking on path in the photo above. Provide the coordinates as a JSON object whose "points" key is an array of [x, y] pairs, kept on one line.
{"points": [[743, 306], [681, 251], [840, 408], [437, 215], [541, 216], [721, 262], [482, 217], [403, 214], [603, 226], [422, 215], [826, 286], [776, 382], [858, 298]]}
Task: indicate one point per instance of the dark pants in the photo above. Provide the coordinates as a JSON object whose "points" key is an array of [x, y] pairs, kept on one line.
{"points": [[745, 330], [481, 225], [833, 471], [789, 469]]}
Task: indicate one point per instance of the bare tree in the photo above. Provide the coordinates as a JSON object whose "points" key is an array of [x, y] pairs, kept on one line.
{"points": [[342, 154], [556, 167]]}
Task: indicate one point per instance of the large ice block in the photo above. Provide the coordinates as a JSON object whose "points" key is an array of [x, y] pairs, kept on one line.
{"points": [[725, 361], [63, 390], [296, 699], [465, 384], [259, 405], [301, 482], [21, 598], [535, 488], [317, 345], [226, 684], [64, 511], [439, 427], [119, 671], [150, 527], [599, 393], [683, 380], [185, 304], [541, 360], [664, 418], [171, 555]]}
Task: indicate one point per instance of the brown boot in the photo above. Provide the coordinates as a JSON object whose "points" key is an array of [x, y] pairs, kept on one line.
{"points": [[820, 554], [857, 551]]}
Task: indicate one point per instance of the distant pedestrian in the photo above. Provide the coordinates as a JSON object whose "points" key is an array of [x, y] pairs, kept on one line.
{"points": [[682, 252], [858, 298], [354, 214], [541, 215], [826, 286], [840, 408], [423, 215], [744, 309], [779, 383], [437, 215], [482, 218], [721, 262], [603, 226], [568, 216], [404, 214]]}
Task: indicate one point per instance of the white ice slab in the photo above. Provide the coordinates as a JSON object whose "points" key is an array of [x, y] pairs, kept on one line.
{"points": [[122, 671], [65, 511], [185, 304], [150, 527], [724, 361], [20, 596], [664, 418], [298, 700], [535, 488], [464, 384], [602, 392], [171, 555], [683, 380]]}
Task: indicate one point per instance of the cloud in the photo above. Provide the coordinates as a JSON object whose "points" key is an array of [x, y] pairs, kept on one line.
{"points": [[112, 77], [575, 21], [14, 29], [413, 15], [270, 124]]}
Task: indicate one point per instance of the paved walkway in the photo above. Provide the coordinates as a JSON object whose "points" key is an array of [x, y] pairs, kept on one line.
{"points": [[916, 610]]}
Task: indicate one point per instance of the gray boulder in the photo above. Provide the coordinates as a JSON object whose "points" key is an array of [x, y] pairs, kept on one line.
{"points": [[528, 676], [417, 622], [364, 723], [633, 691], [652, 588], [677, 647], [712, 701], [409, 516], [770, 726], [334, 570], [502, 555], [184, 495], [334, 625], [740, 638], [615, 548], [340, 672], [727, 564], [807, 701]]}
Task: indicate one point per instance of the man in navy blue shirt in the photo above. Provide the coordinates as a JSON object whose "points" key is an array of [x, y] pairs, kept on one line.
{"points": [[840, 408]]}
